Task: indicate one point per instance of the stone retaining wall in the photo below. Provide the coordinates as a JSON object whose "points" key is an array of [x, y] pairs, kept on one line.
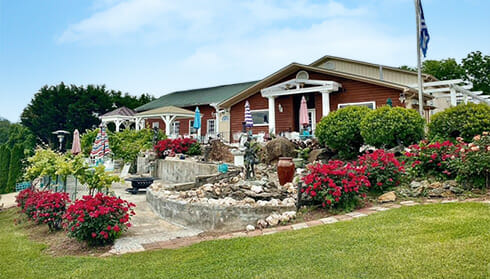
{"points": [[179, 171], [210, 217]]}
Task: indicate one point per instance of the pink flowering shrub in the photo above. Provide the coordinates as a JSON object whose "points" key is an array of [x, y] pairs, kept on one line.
{"points": [[433, 159], [43, 207], [473, 162], [336, 184], [99, 219], [170, 147], [383, 169]]}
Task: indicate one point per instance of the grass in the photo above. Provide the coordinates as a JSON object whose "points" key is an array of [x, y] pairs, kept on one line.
{"points": [[430, 241]]}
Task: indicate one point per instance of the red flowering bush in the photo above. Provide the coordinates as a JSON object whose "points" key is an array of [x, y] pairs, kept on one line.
{"points": [[336, 184], [169, 147], [98, 219], [433, 159], [22, 197], [43, 207], [383, 169]]}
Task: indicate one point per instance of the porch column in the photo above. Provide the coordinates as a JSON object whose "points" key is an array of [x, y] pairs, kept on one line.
{"points": [[168, 121], [272, 115], [452, 91], [118, 124], [325, 103]]}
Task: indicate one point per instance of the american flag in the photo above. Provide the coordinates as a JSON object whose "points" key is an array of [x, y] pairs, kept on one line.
{"points": [[424, 32]]}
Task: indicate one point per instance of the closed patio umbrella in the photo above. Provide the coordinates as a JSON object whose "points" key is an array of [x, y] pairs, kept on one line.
{"points": [[303, 113], [101, 148], [249, 122], [76, 148]]}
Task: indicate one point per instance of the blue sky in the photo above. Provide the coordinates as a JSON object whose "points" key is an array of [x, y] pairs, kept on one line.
{"points": [[158, 46]]}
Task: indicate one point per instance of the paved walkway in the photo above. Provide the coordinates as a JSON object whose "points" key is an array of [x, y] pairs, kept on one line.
{"points": [[181, 242], [147, 227]]}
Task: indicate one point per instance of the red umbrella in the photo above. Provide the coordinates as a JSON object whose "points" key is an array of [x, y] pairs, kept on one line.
{"points": [[303, 113], [75, 148]]}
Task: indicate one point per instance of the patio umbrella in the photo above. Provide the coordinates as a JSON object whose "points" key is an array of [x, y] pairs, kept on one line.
{"points": [[75, 148], [303, 113], [197, 119], [248, 116], [100, 147]]}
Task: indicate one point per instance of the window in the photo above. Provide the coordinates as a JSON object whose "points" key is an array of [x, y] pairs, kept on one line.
{"points": [[175, 128], [211, 127], [192, 130], [371, 105], [155, 124], [260, 117]]}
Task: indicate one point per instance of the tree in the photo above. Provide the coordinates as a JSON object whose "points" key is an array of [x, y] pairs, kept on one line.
{"points": [[19, 134], [72, 107], [477, 70], [4, 130], [4, 167], [444, 69], [407, 68], [15, 167]]}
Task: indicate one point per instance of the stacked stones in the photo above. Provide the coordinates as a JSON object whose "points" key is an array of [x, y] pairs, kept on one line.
{"points": [[446, 189]]}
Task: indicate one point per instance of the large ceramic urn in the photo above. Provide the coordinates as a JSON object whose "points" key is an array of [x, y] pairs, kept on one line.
{"points": [[285, 170]]}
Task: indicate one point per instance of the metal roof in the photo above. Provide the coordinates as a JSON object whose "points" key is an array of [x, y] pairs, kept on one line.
{"points": [[196, 97], [167, 110]]}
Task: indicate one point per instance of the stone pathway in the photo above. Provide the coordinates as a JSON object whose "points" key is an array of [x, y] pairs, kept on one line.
{"points": [[181, 242], [147, 227]]}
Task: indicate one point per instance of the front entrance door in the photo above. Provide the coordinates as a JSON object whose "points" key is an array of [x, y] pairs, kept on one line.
{"points": [[312, 119]]}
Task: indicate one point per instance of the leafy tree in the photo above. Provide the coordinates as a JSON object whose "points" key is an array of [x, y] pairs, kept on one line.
{"points": [[408, 68], [4, 167], [477, 70], [15, 167], [4, 130], [444, 69], [72, 107], [19, 134]]}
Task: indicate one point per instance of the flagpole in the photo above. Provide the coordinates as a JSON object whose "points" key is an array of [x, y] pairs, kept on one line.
{"points": [[419, 60]]}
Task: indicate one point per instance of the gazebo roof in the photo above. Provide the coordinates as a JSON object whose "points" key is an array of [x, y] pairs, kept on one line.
{"points": [[122, 111], [168, 110]]}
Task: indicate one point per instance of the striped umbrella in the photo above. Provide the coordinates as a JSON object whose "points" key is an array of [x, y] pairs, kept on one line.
{"points": [[248, 116], [101, 148]]}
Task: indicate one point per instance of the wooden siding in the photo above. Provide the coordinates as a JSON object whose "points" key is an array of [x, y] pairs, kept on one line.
{"points": [[352, 92], [371, 71]]}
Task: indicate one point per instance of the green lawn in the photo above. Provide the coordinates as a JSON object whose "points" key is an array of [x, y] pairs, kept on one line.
{"points": [[430, 241]]}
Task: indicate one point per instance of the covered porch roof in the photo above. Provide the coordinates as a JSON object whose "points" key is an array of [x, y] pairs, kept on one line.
{"points": [[168, 114]]}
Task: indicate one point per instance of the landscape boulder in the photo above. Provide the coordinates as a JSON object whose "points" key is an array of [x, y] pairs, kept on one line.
{"points": [[278, 147]]}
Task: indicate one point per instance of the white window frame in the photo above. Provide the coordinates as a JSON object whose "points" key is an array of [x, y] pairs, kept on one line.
{"points": [[191, 127], [313, 118], [155, 124], [261, 110], [173, 128], [356, 104], [207, 127]]}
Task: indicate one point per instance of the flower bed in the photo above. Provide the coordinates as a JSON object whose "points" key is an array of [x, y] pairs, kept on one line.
{"points": [[170, 147], [336, 184], [383, 169], [43, 207], [98, 219]]}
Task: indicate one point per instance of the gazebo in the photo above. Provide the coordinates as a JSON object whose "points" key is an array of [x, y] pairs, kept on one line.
{"points": [[168, 114], [122, 115]]}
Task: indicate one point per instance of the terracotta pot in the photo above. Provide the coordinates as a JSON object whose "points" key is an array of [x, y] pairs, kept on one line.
{"points": [[285, 170]]}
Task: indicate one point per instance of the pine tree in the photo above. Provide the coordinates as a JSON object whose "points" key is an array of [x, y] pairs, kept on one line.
{"points": [[15, 167], [4, 167]]}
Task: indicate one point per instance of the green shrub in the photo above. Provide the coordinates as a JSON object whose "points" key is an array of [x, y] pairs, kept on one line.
{"points": [[15, 167], [340, 130], [4, 167], [387, 127], [127, 144], [464, 121]]}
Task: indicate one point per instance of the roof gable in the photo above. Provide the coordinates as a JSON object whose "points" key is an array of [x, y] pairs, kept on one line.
{"points": [[295, 67], [122, 111]]}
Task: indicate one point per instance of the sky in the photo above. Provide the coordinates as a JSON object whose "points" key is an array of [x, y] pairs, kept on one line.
{"points": [[159, 46]]}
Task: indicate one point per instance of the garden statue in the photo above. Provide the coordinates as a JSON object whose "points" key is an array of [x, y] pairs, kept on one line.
{"points": [[250, 158], [155, 136]]}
